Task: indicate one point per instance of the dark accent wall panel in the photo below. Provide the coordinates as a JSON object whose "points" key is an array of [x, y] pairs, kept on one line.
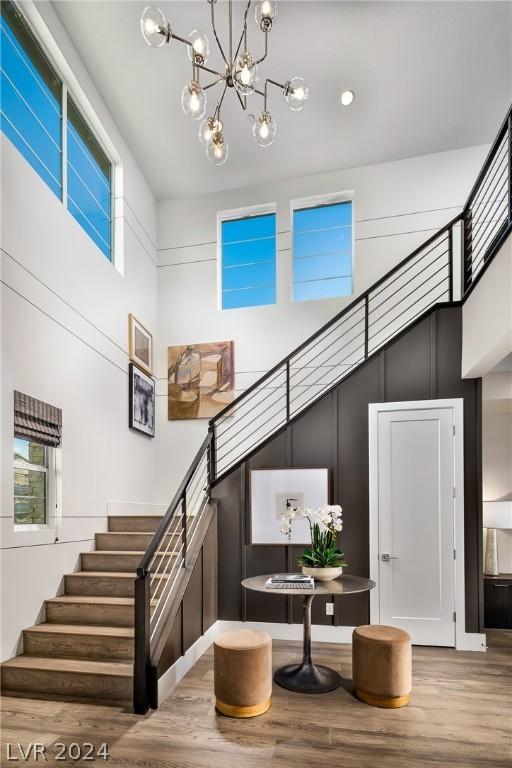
{"points": [[192, 607], [423, 363]]}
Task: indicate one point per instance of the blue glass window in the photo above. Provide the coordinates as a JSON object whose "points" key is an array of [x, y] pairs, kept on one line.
{"points": [[31, 117], [31, 99], [249, 261], [89, 192], [322, 252]]}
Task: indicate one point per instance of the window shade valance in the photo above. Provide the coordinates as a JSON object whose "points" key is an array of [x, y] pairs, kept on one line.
{"points": [[35, 420]]}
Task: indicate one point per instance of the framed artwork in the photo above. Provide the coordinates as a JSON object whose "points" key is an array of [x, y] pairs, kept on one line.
{"points": [[141, 401], [140, 344], [270, 492], [201, 379]]}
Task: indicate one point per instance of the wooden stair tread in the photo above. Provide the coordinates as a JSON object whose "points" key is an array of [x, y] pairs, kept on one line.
{"points": [[82, 629], [76, 666], [113, 574], [91, 599], [131, 552]]}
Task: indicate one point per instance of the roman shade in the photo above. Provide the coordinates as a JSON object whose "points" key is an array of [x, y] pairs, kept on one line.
{"points": [[36, 420]]}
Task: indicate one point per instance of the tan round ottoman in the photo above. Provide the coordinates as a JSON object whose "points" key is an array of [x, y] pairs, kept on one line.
{"points": [[243, 672], [381, 665]]}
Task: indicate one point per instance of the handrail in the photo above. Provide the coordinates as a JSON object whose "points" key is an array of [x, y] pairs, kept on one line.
{"points": [[421, 281]]}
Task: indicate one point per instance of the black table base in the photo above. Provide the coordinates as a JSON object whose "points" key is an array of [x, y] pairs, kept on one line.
{"points": [[307, 677]]}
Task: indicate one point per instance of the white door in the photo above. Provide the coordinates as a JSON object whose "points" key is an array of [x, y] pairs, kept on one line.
{"points": [[414, 495]]}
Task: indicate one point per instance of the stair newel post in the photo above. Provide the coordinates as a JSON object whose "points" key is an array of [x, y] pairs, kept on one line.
{"points": [[212, 459], [451, 256], [142, 650], [288, 390], [184, 525], [366, 323], [509, 128]]}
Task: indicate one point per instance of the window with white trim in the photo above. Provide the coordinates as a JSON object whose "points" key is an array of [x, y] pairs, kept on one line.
{"points": [[31, 481], [322, 250], [43, 122], [248, 260]]}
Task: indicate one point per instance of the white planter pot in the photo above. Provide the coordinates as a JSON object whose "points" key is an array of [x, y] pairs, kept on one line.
{"points": [[322, 574]]}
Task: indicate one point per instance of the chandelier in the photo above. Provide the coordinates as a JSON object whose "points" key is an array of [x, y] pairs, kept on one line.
{"points": [[239, 72]]}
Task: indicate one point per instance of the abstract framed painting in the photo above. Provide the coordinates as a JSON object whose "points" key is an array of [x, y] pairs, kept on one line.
{"points": [[201, 379], [141, 401], [140, 344]]}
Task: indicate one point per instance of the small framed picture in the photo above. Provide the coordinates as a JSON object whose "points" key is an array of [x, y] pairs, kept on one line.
{"points": [[141, 401], [273, 490], [140, 344]]}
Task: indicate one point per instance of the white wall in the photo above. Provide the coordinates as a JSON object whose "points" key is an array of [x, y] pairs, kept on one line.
{"points": [[487, 317], [64, 340], [497, 452], [397, 206]]}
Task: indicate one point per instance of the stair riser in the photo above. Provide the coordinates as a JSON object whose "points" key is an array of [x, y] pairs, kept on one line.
{"points": [[67, 684], [124, 563], [77, 646], [132, 523], [135, 541], [108, 615], [98, 586]]}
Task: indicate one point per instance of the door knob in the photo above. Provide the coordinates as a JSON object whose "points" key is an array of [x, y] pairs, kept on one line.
{"points": [[387, 557]]}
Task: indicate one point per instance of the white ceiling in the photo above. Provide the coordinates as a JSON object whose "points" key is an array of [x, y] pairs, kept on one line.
{"points": [[428, 76]]}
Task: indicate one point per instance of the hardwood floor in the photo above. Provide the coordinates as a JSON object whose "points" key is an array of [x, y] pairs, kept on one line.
{"points": [[460, 716]]}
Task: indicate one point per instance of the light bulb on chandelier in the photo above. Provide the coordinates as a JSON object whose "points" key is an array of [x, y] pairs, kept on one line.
{"points": [[217, 149], [265, 12], [154, 27], [246, 74], [199, 48], [193, 100], [296, 93], [208, 127], [264, 129]]}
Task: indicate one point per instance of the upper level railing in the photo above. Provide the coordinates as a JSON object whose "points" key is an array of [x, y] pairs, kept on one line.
{"points": [[445, 268]]}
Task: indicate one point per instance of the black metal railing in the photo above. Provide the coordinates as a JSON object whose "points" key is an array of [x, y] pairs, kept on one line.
{"points": [[444, 269], [159, 570]]}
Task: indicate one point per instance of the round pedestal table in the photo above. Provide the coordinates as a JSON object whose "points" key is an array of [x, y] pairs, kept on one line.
{"points": [[308, 677]]}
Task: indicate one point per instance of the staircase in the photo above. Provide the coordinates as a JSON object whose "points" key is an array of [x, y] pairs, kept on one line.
{"points": [[85, 648], [104, 638]]}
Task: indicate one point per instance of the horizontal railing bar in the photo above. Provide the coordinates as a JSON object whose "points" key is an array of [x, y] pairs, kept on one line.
{"points": [[411, 266], [500, 181], [482, 253], [268, 405], [330, 385], [170, 511], [261, 438], [335, 378], [494, 225], [500, 159], [335, 329], [497, 141], [472, 235], [222, 456], [249, 391], [406, 284]]}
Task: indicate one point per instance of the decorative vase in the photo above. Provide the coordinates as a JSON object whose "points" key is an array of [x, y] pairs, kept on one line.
{"points": [[322, 574]]}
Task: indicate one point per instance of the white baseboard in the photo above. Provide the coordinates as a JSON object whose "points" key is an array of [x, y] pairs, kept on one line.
{"points": [[174, 674], [319, 632], [139, 508], [471, 641]]}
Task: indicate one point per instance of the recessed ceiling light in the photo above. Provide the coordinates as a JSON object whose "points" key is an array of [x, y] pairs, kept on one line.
{"points": [[347, 97]]}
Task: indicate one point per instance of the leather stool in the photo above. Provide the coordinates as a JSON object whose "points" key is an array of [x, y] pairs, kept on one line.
{"points": [[243, 672], [381, 665]]}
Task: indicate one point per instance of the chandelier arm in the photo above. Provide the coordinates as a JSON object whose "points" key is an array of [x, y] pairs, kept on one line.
{"points": [[266, 49], [221, 49], [243, 31], [231, 31], [214, 82], [220, 75], [216, 114], [243, 102]]}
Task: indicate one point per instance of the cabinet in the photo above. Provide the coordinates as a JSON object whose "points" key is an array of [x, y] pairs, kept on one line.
{"points": [[498, 601]]}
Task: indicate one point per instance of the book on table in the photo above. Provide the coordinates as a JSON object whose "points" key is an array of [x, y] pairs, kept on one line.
{"points": [[290, 581]]}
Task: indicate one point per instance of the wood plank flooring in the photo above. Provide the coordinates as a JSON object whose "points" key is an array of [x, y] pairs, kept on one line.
{"points": [[460, 716]]}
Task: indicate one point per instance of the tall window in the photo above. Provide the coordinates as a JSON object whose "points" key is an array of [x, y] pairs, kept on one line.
{"points": [[63, 151], [30, 482], [248, 261], [322, 251]]}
